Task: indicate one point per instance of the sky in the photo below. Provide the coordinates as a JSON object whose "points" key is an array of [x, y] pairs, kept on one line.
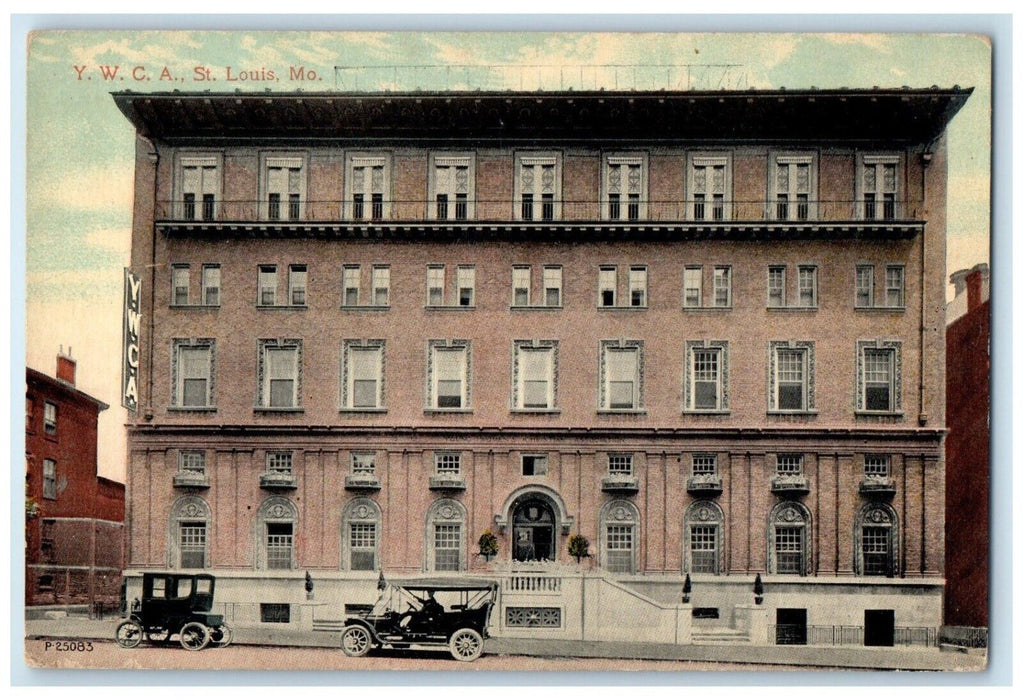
{"points": [[80, 149]]}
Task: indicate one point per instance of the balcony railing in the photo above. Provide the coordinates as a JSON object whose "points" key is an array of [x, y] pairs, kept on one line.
{"points": [[191, 479], [362, 481], [277, 480], [447, 482], [793, 484], [278, 211], [882, 486], [704, 484], [619, 483]]}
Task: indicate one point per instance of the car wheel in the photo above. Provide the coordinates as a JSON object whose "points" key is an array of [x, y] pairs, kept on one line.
{"points": [[355, 641], [221, 636], [466, 644], [129, 634], [194, 636]]}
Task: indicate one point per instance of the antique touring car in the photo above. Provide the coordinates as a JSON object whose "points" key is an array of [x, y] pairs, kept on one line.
{"points": [[175, 604], [452, 613]]}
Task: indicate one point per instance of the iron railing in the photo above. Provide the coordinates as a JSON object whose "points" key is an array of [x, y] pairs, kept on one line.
{"points": [[852, 635]]}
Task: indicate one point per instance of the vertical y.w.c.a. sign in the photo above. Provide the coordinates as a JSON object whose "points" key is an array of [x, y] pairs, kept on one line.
{"points": [[130, 350]]}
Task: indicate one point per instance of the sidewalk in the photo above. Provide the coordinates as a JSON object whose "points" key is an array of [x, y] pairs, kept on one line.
{"points": [[888, 658]]}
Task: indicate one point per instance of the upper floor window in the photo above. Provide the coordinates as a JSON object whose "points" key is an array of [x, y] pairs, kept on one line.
{"points": [[179, 285], [538, 186], [607, 286], [449, 371], [878, 377], [534, 465], [625, 187], [192, 372], [791, 376], [893, 293], [452, 186], [879, 187], [280, 363], [710, 187], [297, 276], [706, 375], [619, 464], [789, 465], [211, 285], [621, 375], [284, 188], [705, 464], [895, 286], [350, 284], [447, 463], [793, 184], [192, 462], [362, 374], [199, 187], [368, 183], [535, 371], [465, 285], [550, 293], [49, 418], [49, 479], [806, 287], [380, 286], [267, 285], [721, 287], [877, 466], [637, 286]]}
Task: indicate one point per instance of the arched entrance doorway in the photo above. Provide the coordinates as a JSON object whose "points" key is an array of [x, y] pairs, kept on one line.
{"points": [[533, 534]]}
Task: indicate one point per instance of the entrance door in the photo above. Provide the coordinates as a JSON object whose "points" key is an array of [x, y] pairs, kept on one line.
{"points": [[878, 628], [533, 531], [791, 626]]}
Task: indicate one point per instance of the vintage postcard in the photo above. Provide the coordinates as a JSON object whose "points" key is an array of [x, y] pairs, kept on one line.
{"points": [[507, 351]]}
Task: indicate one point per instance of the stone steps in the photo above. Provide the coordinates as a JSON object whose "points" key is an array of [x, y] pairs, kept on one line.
{"points": [[720, 636]]}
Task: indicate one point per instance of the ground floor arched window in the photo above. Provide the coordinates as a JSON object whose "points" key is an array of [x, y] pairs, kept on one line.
{"points": [[877, 540], [275, 532], [445, 536], [789, 539], [360, 536], [703, 534], [189, 533], [619, 527]]}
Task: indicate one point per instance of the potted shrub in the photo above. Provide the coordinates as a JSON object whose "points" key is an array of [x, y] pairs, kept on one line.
{"points": [[488, 545], [578, 547]]}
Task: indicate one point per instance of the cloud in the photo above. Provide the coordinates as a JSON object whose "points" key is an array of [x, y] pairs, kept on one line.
{"points": [[117, 240], [99, 189], [875, 42]]}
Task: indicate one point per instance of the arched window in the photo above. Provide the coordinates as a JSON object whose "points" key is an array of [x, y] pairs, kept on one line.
{"points": [[703, 538], [275, 534], [619, 537], [360, 536], [189, 533], [445, 536], [877, 541], [788, 534]]}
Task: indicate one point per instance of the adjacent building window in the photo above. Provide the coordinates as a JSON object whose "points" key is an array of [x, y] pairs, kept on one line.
{"points": [[710, 186], [280, 363], [538, 185], [362, 374], [449, 365], [706, 375], [284, 184], [199, 186], [703, 527], [452, 187], [878, 376], [621, 372], [535, 373], [793, 184], [350, 284], [534, 465], [368, 179], [879, 187], [877, 538], [619, 465], [360, 523], [192, 372], [211, 285], [445, 536], [619, 526], [791, 376], [625, 187], [179, 285], [276, 523], [297, 276], [49, 418], [788, 532], [49, 479], [267, 285]]}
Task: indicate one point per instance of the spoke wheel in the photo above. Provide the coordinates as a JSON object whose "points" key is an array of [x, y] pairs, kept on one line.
{"points": [[158, 635], [221, 636], [129, 634], [466, 644], [355, 641], [194, 636]]}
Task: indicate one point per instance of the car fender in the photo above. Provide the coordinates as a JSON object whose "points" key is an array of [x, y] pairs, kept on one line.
{"points": [[350, 622]]}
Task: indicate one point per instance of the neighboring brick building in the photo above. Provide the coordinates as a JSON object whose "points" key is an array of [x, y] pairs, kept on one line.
{"points": [[967, 449], [705, 330], [74, 529]]}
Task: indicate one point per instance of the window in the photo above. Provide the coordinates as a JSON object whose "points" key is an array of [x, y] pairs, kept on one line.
{"points": [[520, 286], [637, 286], [267, 292], [877, 466], [864, 286], [789, 541], [789, 465], [362, 373], [552, 286], [807, 285], [619, 464], [452, 187], [30, 414], [534, 465], [279, 543], [364, 463], [538, 184], [285, 188], [551, 294], [192, 544], [776, 286], [192, 462], [879, 369], [447, 463], [297, 285], [350, 285], [619, 525], [722, 286], [200, 187], [445, 531], [279, 373], [706, 371], [894, 286], [279, 463], [877, 540], [879, 186], [792, 183], [621, 375], [192, 373], [607, 286], [435, 285], [465, 286], [465, 280], [275, 612], [534, 374], [449, 369], [692, 280], [211, 285], [368, 179], [703, 543], [49, 479], [49, 418], [189, 527], [705, 465], [710, 187], [381, 280], [791, 376], [361, 527], [179, 285], [624, 187]]}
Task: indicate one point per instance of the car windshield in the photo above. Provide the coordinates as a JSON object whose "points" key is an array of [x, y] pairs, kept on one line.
{"points": [[400, 599]]}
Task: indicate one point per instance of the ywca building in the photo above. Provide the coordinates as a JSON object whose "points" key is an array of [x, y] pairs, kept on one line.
{"points": [[704, 330]]}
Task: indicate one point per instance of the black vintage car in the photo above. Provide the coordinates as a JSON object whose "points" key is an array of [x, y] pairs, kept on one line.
{"points": [[452, 613], [175, 604]]}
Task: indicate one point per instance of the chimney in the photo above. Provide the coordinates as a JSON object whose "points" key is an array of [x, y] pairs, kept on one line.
{"points": [[974, 283], [66, 366], [958, 278]]}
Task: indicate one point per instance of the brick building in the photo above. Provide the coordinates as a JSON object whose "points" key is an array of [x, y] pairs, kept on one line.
{"points": [[967, 449], [705, 330], [74, 529]]}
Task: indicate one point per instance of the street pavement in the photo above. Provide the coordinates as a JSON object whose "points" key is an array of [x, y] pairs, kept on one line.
{"points": [[915, 658]]}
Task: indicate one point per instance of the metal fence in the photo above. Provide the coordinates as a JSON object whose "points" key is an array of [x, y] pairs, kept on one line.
{"points": [[852, 635]]}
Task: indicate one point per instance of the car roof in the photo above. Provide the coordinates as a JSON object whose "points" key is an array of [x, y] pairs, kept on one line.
{"points": [[443, 584]]}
